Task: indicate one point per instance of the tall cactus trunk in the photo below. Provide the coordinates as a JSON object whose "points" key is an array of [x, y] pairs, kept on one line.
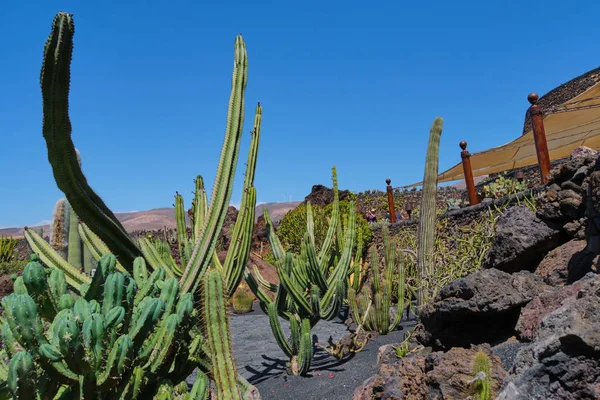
{"points": [[75, 251], [426, 233]]}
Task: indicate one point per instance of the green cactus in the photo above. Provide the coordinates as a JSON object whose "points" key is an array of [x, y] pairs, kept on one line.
{"points": [[371, 308], [237, 255], [142, 341], [67, 238], [59, 227], [312, 286], [482, 382], [426, 230], [105, 343]]}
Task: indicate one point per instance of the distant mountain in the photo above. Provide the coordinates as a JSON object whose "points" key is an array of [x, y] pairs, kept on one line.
{"points": [[158, 218]]}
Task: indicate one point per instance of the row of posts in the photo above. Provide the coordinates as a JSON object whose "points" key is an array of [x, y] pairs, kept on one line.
{"points": [[541, 147]]}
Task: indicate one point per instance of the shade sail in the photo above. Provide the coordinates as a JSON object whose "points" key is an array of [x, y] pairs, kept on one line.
{"points": [[575, 123]]}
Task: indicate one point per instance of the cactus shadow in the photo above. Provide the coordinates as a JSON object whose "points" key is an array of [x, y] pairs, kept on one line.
{"points": [[321, 362]]}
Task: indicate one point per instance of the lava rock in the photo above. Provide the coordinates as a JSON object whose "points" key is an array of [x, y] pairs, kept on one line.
{"points": [[521, 241], [538, 308], [322, 195], [564, 360], [571, 170], [482, 307], [554, 268], [435, 375]]}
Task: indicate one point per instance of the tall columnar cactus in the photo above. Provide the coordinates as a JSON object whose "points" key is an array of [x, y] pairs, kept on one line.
{"points": [[372, 307], [241, 238], [66, 237], [94, 214], [59, 227], [119, 340], [426, 231], [312, 286]]}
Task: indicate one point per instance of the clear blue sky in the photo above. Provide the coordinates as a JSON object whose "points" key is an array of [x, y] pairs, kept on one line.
{"points": [[345, 83]]}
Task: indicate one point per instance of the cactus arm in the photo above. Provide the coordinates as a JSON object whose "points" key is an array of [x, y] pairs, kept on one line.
{"points": [[52, 259], [22, 376], [324, 254], [276, 247], [355, 311], [341, 269], [55, 82], [287, 347], [95, 245], [306, 348], [400, 294], [237, 256], [181, 227], [152, 257], [332, 308], [254, 286], [215, 317], [241, 238], [314, 269], [199, 208], [223, 185], [290, 287], [310, 224], [271, 287], [75, 253], [426, 230]]}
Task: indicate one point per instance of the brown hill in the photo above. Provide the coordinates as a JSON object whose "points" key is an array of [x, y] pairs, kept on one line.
{"points": [[160, 217]]}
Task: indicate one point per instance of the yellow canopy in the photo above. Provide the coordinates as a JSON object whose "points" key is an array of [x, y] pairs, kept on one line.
{"points": [[575, 123]]}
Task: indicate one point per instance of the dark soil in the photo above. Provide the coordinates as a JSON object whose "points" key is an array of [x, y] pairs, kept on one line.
{"points": [[6, 286], [331, 379]]}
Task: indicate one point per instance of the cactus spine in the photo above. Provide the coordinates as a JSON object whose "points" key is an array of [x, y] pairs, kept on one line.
{"points": [[426, 230]]}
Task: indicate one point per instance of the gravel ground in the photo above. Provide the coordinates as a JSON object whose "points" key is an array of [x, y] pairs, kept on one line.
{"points": [[261, 361]]}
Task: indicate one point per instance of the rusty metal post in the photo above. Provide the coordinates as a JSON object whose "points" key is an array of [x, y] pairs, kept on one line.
{"points": [[539, 136], [390, 194], [408, 208], [468, 172]]}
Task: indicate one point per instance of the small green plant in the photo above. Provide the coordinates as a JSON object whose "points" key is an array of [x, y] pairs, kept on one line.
{"points": [[7, 249], [502, 187], [403, 348], [12, 267], [482, 381]]}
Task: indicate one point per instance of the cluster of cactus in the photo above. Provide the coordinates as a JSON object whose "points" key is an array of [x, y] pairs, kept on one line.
{"points": [[124, 337], [7, 248], [428, 213], [311, 286], [370, 307], [201, 274]]}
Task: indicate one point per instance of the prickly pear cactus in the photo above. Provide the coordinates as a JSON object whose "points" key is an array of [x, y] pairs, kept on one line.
{"points": [[125, 337]]}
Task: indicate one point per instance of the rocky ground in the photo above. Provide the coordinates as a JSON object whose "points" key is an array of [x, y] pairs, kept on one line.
{"points": [[534, 308]]}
